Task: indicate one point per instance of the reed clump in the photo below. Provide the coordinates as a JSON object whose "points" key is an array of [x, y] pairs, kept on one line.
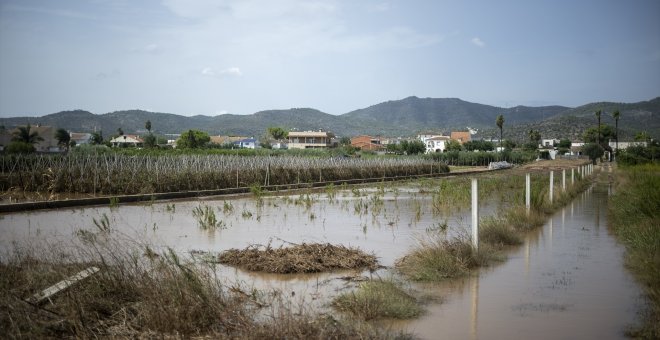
{"points": [[499, 232], [378, 299], [299, 258], [438, 259]]}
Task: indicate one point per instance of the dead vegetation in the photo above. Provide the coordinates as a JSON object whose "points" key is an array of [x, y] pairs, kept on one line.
{"points": [[142, 294], [299, 258]]}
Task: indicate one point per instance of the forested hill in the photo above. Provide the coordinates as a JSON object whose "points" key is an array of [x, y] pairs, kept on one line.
{"points": [[404, 117]]}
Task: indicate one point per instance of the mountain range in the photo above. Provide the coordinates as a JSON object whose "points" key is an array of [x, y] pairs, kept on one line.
{"points": [[405, 117]]}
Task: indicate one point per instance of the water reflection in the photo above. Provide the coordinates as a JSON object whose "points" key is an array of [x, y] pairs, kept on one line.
{"points": [[572, 285]]}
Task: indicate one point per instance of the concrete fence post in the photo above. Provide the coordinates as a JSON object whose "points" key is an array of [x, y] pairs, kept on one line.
{"points": [[528, 193], [552, 185], [572, 176], [475, 214], [563, 180]]}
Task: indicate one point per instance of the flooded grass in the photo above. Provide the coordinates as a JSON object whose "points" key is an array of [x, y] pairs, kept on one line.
{"points": [[378, 299], [498, 232], [155, 296], [438, 259], [300, 258], [206, 219], [634, 213]]}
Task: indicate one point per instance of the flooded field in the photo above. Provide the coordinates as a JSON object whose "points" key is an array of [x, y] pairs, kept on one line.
{"points": [[567, 280]]}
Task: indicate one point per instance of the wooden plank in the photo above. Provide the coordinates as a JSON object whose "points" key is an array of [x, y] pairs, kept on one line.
{"points": [[62, 285]]}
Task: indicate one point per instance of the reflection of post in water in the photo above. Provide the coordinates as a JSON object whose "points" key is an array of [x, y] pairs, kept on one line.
{"points": [[550, 241], [475, 307], [563, 221], [527, 258], [597, 202]]}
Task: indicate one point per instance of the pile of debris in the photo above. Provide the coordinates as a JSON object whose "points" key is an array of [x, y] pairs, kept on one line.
{"points": [[300, 258], [499, 165]]}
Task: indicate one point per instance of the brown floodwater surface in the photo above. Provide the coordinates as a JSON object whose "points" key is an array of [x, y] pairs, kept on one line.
{"points": [[566, 281]]}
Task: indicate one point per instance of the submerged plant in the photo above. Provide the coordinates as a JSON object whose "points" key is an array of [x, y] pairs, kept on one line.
{"points": [[206, 219], [103, 223]]}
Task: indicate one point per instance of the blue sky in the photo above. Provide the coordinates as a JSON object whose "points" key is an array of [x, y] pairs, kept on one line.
{"points": [[241, 56]]}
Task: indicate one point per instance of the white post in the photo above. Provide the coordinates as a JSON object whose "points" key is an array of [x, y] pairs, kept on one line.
{"points": [[528, 192], [563, 180], [572, 176], [552, 186], [475, 214]]}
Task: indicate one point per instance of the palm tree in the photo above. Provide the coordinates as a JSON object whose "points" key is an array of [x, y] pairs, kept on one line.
{"points": [[23, 134], [63, 138], [598, 115], [616, 115], [500, 123]]}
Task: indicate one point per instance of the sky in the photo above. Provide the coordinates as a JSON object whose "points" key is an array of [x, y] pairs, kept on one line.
{"points": [[211, 57]]}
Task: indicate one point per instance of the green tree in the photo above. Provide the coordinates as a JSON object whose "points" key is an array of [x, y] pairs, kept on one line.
{"points": [[147, 126], [193, 139], [120, 132], [20, 147], [344, 141], [597, 134], [63, 138], [453, 145], [642, 136], [500, 124], [478, 145], [150, 141], [414, 147], [616, 114], [564, 146], [26, 135], [277, 132], [509, 144], [534, 136], [97, 138], [594, 151]]}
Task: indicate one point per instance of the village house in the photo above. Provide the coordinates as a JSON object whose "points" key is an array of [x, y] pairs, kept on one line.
{"points": [[48, 144], [127, 141], [222, 140], [80, 138], [368, 143], [310, 139], [549, 143], [461, 136], [246, 143], [437, 144]]}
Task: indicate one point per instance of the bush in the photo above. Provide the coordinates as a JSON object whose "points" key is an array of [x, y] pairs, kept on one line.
{"points": [[20, 147]]}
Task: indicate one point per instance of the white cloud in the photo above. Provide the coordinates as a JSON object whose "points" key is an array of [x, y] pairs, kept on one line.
{"points": [[228, 72], [478, 42]]}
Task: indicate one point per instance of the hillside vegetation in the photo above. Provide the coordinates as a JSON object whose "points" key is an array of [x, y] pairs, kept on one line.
{"points": [[405, 117]]}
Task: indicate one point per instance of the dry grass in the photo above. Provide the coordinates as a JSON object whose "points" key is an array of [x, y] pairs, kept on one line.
{"points": [[438, 259], [302, 258], [379, 299], [139, 293]]}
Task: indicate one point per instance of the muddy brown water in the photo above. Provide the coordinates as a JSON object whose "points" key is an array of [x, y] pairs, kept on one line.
{"points": [[566, 281]]}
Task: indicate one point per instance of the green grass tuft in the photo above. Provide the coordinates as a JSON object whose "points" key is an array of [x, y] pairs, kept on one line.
{"points": [[379, 299]]}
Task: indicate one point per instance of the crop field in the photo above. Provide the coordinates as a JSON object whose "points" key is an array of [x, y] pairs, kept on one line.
{"points": [[126, 174]]}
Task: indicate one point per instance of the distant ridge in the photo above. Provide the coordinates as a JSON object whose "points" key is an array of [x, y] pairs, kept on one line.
{"points": [[404, 117]]}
